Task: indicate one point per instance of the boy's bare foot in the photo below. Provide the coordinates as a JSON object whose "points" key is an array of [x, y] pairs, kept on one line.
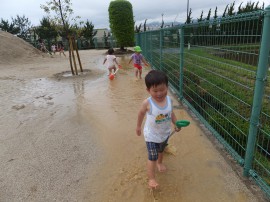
{"points": [[152, 184], [161, 168]]}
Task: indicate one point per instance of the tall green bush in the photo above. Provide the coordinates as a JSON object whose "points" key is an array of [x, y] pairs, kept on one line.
{"points": [[122, 22]]}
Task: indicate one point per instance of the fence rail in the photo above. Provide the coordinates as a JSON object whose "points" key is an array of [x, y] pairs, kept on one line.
{"points": [[82, 43], [220, 69]]}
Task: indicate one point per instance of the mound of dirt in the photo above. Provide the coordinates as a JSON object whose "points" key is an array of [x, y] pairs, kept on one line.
{"points": [[15, 50]]}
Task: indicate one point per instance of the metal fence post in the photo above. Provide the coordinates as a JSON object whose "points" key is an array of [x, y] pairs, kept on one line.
{"points": [[258, 93], [181, 76], [145, 44], [137, 39], [151, 49], [160, 47]]}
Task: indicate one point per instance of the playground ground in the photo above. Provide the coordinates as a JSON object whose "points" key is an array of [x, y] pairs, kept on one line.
{"points": [[72, 138]]}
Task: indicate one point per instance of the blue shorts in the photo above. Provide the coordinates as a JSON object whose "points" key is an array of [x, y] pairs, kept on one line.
{"points": [[155, 148]]}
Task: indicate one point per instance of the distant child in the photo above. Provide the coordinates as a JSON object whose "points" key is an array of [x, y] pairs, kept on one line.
{"points": [[111, 61], [137, 59], [159, 113], [61, 49], [53, 48], [42, 45]]}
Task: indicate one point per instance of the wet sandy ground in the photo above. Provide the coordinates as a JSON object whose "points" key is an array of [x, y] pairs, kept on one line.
{"points": [[72, 138]]}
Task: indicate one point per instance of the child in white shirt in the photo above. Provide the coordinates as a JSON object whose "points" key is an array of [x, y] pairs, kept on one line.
{"points": [[111, 61]]}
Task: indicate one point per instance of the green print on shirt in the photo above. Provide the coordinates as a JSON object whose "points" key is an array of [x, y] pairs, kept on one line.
{"points": [[161, 118]]}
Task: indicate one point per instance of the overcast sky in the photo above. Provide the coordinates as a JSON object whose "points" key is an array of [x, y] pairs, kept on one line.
{"points": [[97, 11]]}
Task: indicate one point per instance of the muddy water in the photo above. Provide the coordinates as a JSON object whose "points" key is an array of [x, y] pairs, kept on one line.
{"points": [[73, 139], [195, 170]]}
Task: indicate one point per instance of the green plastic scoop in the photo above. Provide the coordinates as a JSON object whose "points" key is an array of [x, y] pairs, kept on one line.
{"points": [[182, 123]]}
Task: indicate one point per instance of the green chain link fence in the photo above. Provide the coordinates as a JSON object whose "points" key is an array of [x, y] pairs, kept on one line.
{"points": [[220, 70]]}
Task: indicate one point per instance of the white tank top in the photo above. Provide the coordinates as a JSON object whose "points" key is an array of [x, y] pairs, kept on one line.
{"points": [[157, 127]]}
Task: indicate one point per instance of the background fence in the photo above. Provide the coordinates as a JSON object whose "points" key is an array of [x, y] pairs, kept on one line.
{"points": [[82, 44], [220, 69]]}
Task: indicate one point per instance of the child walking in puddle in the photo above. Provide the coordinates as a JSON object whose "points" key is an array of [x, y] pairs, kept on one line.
{"points": [[159, 113], [137, 59], [111, 61], [61, 49]]}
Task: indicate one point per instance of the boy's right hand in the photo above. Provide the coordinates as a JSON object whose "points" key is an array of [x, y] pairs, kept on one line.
{"points": [[138, 131], [177, 129]]}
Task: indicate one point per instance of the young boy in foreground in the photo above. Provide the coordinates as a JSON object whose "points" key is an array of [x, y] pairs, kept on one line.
{"points": [[159, 115]]}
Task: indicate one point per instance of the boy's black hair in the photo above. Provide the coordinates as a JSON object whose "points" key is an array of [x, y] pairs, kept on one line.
{"points": [[110, 51], [155, 77]]}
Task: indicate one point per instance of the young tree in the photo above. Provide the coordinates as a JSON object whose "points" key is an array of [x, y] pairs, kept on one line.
{"points": [[215, 15], [208, 15], [225, 10], [250, 6], [88, 32], [256, 6], [47, 30], [162, 21], [138, 28], [24, 25], [239, 8], [144, 25], [231, 9], [189, 18], [122, 22], [61, 12], [9, 27], [201, 17]]}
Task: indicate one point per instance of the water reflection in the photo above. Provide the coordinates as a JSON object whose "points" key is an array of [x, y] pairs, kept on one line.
{"points": [[78, 89]]}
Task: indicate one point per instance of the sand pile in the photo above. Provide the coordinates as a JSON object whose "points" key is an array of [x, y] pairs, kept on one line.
{"points": [[15, 50]]}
